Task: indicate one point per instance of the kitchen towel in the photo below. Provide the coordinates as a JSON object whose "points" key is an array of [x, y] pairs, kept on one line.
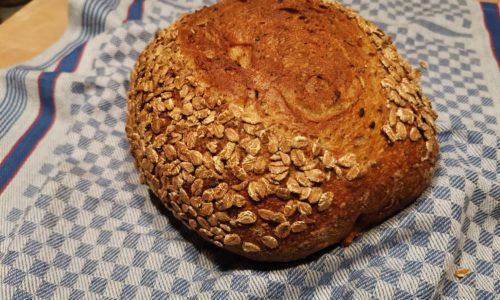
{"points": [[75, 223]]}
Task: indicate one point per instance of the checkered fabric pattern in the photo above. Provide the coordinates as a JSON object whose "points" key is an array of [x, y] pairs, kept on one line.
{"points": [[82, 227]]}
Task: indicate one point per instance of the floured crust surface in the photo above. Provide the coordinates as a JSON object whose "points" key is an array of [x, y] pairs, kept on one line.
{"points": [[277, 128]]}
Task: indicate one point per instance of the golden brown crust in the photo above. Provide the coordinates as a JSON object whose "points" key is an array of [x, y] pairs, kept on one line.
{"points": [[277, 128]]}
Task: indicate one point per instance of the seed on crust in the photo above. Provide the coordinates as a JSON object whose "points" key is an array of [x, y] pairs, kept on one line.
{"points": [[209, 119], [389, 133], [240, 186], [212, 147], [225, 227], [234, 160], [208, 160], [239, 200], [325, 201], [205, 232], [305, 193], [240, 173], [315, 195], [395, 97], [171, 169], [315, 175], [299, 142], [285, 158], [218, 130], [250, 117], [290, 208], [169, 152], [236, 110], [430, 146], [415, 134], [198, 103], [250, 247], [252, 191], [232, 239], [195, 202], [202, 114], [278, 177], [177, 181], [282, 230], [183, 196], [169, 104], [227, 151], [250, 129], [232, 135], [304, 208], [265, 214], [392, 116], [298, 157], [282, 193], [208, 195], [401, 132], [303, 180], [222, 216], [190, 139], [277, 163], [191, 211], [203, 222], [278, 217], [252, 146], [428, 131], [220, 190], [348, 160], [270, 242], [264, 187], [248, 163], [328, 159], [388, 82], [353, 173], [406, 115], [225, 116], [207, 209], [269, 215], [246, 217], [225, 203], [218, 164], [278, 169], [192, 223], [195, 157], [187, 166], [316, 149], [188, 178], [272, 146], [293, 186], [217, 231], [284, 145], [299, 226], [312, 164], [212, 220]]}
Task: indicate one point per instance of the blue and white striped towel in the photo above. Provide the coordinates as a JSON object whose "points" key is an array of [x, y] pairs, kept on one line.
{"points": [[76, 223]]}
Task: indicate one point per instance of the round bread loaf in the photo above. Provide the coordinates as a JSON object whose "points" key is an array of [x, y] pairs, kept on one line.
{"points": [[277, 128]]}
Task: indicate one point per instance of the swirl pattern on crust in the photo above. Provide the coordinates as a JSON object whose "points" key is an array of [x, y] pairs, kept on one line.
{"points": [[277, 128]]}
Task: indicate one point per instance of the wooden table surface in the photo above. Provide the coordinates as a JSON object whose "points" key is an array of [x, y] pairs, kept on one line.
{"points": [[31, 30], [37, 26]]}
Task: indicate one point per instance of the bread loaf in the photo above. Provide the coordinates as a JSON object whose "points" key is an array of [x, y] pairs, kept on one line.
{"points": [[278, 128]]}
